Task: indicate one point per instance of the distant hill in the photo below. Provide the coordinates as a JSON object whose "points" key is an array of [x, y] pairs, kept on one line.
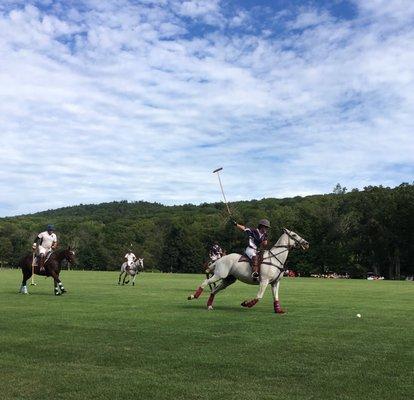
{"points": [[354, 232]]}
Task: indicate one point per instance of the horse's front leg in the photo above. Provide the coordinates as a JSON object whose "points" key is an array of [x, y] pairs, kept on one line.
{"points": [[23, 287], [133, 280], [120, 276], [276, 303], [58, 286], [262, 289]]}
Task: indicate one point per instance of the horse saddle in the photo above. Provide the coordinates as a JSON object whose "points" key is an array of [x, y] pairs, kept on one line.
{"points": [[36, 259], [244, 258]]}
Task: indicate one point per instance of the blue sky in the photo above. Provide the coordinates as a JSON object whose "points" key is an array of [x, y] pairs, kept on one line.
{"points": [[141, 100]]}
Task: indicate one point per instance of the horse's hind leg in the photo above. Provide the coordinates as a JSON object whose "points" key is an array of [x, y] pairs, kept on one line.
{"points": [[133, 280], [222, 285], [200, 289], [120, 276], [58, 285]]}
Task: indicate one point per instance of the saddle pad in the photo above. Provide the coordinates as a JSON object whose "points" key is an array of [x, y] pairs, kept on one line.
{"points": [[244, 258]]}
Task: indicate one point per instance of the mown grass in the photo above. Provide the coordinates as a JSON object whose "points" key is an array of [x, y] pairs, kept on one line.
{"points": [[102, 341]]}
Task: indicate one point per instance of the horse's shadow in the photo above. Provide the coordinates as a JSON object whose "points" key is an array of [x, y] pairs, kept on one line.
{"points": [[34, 294], [202, 306]]}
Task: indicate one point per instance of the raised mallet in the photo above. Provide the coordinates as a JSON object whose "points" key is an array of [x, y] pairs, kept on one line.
{"points": [[221, 186]]}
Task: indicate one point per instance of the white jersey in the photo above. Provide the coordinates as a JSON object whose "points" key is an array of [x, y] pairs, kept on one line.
{"points": [[46, 241], [130, 257]]}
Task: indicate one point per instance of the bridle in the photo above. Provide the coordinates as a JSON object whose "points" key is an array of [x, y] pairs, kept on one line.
{"points": [[286, 247]]}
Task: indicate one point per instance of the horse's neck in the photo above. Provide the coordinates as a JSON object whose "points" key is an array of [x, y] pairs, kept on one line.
{"points": [[59, 256], [280, 249]]}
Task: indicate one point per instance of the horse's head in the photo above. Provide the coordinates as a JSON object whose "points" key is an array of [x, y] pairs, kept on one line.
{"points": [[295, 241], [69, 254], [140, 263]]}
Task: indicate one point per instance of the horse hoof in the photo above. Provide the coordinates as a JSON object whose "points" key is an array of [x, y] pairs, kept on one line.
{"points": [[244, 304], [191, 297], [280, 312], [209, 308]]}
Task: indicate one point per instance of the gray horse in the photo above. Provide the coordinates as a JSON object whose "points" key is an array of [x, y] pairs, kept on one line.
{"points": [[132, 270], [230, 268]]}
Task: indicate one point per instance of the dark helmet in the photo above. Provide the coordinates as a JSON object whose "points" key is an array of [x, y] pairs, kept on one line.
{"points": [[265, 223], [50, 227]]}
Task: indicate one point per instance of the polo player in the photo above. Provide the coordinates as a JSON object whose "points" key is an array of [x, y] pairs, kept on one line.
{"points": [[216, 252], [44, 244], [257, 238], [130, 258]]}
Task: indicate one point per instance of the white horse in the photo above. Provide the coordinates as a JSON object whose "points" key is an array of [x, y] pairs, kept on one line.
{"points": [[228, 269], [132, 270]]}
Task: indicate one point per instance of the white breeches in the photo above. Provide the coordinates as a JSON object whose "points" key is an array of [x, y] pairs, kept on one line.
{"points": [[250, 252], [42, 250]]}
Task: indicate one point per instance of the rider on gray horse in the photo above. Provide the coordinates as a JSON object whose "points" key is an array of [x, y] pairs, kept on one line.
{"points": [[130, 258], [44, 244], [257, 241]]}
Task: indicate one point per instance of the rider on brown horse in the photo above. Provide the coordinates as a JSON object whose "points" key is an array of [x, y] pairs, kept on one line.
{"points": [[257, 240], [45, 243]]}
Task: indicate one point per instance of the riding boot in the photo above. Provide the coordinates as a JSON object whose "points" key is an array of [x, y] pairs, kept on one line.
{"points": [[255, 267], [41, 263]]}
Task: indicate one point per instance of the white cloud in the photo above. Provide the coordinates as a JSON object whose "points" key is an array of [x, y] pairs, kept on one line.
{"points": [[127, 101]]}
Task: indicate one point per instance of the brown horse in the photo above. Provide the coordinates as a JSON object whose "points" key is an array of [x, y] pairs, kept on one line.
{"points": [[52, 268]]}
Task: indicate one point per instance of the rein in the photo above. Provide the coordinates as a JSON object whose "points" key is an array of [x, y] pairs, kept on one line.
{"points": [[281, 265], [286, 247]]}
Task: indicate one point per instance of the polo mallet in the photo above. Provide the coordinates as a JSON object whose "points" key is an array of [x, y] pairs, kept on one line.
{"points": [[221, 186], [32, 282]]}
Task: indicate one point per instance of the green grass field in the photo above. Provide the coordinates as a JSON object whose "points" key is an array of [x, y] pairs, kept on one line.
{"points": [[103, 341]]}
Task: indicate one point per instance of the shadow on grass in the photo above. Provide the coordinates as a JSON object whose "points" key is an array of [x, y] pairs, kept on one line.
{"points": [[48, 294], [226, 308]]}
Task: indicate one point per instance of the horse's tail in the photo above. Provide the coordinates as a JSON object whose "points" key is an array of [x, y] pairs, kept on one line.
{"points": [[211, 267]]}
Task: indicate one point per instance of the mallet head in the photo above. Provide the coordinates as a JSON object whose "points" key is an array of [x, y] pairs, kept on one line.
{"points": [[217, 170]]}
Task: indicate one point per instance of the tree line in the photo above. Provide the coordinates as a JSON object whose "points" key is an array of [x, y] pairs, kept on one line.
{"points": [[355, 232]]}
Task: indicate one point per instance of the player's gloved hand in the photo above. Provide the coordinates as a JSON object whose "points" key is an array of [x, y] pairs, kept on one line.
{"points": [[234, 222], [34, 246]]}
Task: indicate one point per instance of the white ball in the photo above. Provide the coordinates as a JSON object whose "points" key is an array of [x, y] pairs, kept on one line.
{"points": [[359, 315]]}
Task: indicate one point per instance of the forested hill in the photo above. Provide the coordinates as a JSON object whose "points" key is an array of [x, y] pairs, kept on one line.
{"points": [[354, 232]]}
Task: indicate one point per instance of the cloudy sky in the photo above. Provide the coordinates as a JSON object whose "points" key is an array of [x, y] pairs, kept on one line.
{"points": [[142, 99]]}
